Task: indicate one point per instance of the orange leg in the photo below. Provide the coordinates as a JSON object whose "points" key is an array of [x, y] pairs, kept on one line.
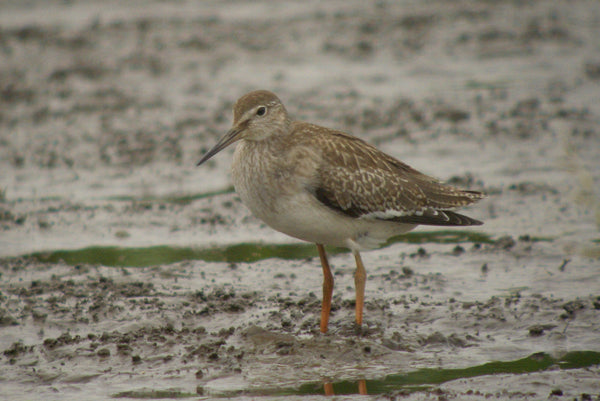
{"points": [[328, 387], [327, 289], [362, 387], [359, 282]]}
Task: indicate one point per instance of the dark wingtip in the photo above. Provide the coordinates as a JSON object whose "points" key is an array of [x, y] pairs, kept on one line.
{"points": [[432, 217], [460, 219], [474, 222]]}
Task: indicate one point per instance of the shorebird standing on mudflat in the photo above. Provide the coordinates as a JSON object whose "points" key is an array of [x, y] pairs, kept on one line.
{"points": [[328, 187]]}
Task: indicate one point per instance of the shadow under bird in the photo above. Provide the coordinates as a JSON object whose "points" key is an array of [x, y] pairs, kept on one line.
{"points": [[328, 187]]}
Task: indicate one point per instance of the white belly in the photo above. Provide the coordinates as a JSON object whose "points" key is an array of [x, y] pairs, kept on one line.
{"points": [[277, 195]]}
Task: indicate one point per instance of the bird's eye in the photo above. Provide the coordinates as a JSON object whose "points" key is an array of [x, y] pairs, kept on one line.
{"points": [[261, 111]]}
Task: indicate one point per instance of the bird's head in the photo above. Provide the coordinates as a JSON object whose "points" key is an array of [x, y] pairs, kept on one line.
{"points": [[257, 116]]}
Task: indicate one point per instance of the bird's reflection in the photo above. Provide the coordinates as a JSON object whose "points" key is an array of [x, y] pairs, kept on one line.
{"points": [[362, 388]]}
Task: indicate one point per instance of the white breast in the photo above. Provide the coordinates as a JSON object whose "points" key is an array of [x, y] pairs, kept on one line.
{"points": [[274, 188]]}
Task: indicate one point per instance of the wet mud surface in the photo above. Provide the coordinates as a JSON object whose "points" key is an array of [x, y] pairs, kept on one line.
{"points": [[128, 273]]}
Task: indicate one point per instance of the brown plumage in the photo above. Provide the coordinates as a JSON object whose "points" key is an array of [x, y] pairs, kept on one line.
{"points": [[361, 181]]}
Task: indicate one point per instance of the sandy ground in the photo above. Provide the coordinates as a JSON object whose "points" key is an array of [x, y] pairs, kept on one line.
{"points": [[106, 106]]}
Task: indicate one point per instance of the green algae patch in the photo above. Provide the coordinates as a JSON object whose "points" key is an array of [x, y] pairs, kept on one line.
{"points": [[244, 252], [442, 237], [154, 394], [174, 199], [426, 379], [162, 255]]}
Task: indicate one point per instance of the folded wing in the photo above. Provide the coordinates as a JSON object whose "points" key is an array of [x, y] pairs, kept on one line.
{"points": [[360, 181]]}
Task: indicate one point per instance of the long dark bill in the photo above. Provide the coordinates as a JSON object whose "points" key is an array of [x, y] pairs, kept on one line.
{"points": [[227, 140]]}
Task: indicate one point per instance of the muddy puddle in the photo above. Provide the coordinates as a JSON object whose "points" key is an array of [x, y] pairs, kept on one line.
{"points": [[127, 273]]}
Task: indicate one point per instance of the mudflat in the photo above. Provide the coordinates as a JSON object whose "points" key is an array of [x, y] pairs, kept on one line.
{"points": [[127, 272]]}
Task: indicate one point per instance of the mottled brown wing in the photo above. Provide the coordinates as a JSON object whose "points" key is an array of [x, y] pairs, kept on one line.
{"points": [[358, 180]]}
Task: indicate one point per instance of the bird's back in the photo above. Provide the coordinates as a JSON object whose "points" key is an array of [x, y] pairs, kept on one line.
{"points": [[360, 181]]}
